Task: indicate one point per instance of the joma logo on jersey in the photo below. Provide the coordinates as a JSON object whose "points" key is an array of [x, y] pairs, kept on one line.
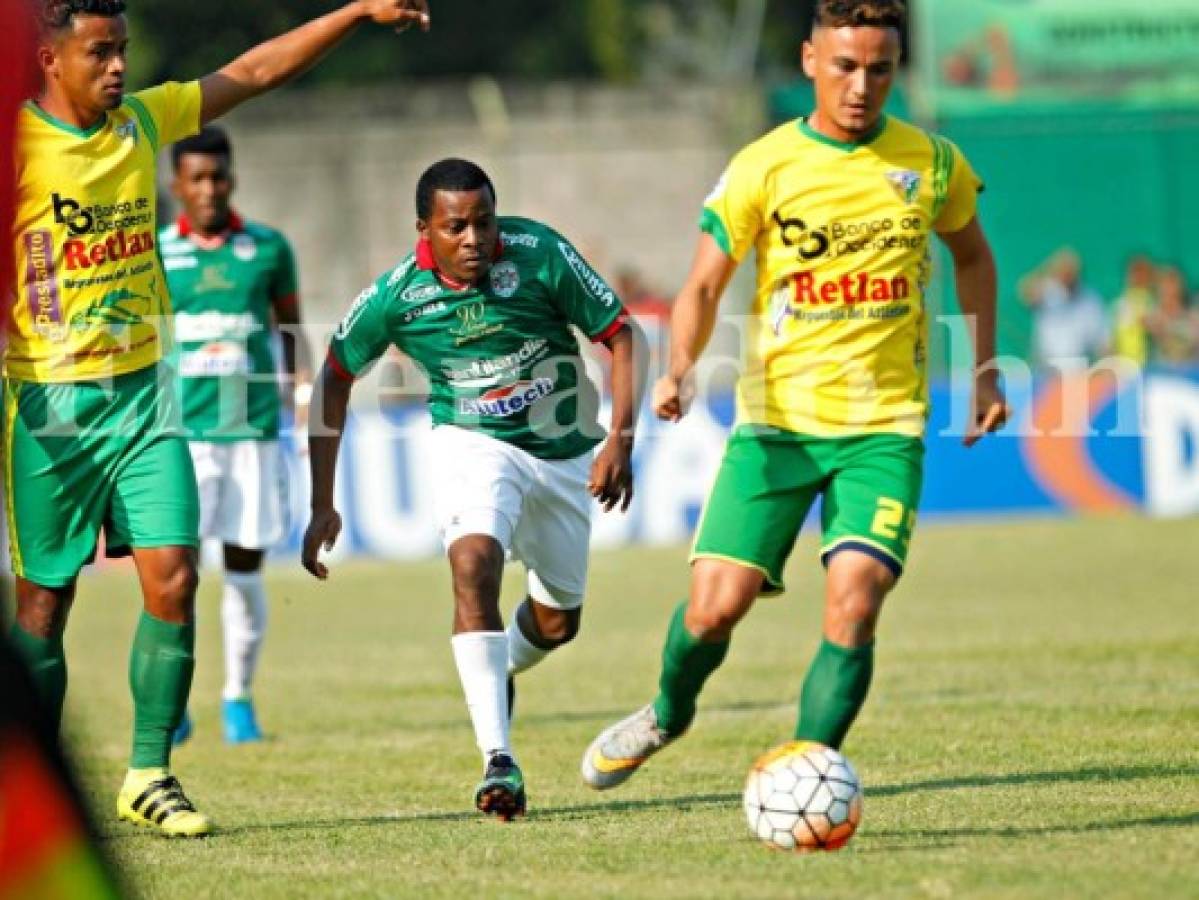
{"points": [[503, 402], [854, 287], [122, 245]]}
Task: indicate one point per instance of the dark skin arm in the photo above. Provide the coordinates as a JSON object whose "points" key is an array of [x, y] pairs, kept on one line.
{"points": [[280, 59], [297, 355], [611, 481], [330, 402]]}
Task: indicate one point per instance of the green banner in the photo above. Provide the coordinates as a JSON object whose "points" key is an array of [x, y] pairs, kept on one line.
{"points": [[983, 53]]}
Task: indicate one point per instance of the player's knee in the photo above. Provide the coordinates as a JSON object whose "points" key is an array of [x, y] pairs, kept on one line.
{"points": [[176, 587], [713, 618], [476, 572]]}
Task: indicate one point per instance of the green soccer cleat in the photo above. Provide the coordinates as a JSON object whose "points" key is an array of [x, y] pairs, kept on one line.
{"points": [[501, 793], [620, 749], [156, 800]]}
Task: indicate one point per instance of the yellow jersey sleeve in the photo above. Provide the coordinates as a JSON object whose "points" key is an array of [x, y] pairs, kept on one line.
{"points": [[961, 189], [168, 112], [733, 211]]}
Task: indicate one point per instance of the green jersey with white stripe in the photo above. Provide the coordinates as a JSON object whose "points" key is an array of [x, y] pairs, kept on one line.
{"points": [[500, 355], [223, 297]]}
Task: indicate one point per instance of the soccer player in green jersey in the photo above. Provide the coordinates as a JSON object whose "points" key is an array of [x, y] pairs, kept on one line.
{"points": [[840, 207], [233, 286], [484, 306], [89, 441]]}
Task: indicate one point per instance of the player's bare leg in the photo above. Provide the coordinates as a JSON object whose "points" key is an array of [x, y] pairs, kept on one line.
{"points": [[839, 677], [722, 592], [41, 619], [536, 631], [160, 675], [481, 655]]}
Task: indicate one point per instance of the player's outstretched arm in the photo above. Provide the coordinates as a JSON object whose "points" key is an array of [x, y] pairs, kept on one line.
{"points": [[976, 280], [331, 400], [691, 324], [280, 59], [611, 481]]}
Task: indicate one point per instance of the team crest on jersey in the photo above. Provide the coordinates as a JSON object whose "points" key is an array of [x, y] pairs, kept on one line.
{"points": [[128, 130], [505, 279], [906, 184], [244, 247]]}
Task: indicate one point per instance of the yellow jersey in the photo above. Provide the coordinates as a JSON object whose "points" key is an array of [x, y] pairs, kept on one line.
{"points": [[91, 297], [836, 342]]}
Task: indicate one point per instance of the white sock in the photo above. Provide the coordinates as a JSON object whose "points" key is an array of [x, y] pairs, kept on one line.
{"points": [[243, 615], [522, 654], [482, 660]]}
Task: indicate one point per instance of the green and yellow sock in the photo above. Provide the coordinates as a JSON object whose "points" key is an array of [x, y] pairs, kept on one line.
{"points": [[160, 677], [686, 664], [833, 691]]}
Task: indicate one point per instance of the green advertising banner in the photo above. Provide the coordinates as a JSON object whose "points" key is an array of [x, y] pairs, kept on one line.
{"points": [[983, 53]]}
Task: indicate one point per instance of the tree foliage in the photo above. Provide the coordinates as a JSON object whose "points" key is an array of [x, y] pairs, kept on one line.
{"points": [[614, 40]]}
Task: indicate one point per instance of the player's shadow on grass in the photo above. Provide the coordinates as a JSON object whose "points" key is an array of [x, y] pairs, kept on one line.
{"points": [[603, 716], [922, 837]]}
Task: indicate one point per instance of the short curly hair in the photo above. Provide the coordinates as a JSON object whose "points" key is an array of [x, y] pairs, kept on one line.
{"points": [[57, 14], [859, 13]]}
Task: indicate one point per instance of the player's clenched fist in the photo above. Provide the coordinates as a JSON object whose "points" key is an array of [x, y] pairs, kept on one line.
{"points": [[401, 13], [672, 397]]}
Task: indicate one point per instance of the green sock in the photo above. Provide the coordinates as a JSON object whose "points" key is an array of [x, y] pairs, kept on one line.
{"points": [[686, 664], [833, 691], [47, 664], [160, 677]]}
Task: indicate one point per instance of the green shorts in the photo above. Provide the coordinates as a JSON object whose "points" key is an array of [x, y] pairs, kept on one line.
{"points": [[769, 479], [85, 456]]}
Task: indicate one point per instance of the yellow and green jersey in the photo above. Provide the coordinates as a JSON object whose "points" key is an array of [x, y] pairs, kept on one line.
{"points": [[842, 232], [91, 299]]}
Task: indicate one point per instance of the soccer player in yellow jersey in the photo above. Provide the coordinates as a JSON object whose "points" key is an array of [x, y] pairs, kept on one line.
{"points": [[840, 208], [91, 444]]}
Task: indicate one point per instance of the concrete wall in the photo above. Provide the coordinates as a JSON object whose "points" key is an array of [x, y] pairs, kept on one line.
{"points": [[621, 172]]}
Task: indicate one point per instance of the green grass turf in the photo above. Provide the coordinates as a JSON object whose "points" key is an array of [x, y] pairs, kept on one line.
{"points": [[1032, 732]]}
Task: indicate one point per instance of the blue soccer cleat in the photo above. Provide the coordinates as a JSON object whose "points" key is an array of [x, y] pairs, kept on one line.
{"points": [[241, 727]]}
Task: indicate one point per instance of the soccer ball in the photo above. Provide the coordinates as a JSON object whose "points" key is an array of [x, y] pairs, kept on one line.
{"points": [[803, 796]]}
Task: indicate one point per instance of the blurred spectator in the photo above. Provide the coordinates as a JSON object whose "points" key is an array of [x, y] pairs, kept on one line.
{"points": [[987, 62], [1173, 327], [1070, 324], [1130, 338]]}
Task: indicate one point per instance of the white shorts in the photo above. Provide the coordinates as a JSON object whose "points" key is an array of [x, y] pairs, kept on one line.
{"points": [[538, 509], [243, 492]]}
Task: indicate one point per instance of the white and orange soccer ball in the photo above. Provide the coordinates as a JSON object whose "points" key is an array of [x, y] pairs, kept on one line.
{"points": [[803, 796]]}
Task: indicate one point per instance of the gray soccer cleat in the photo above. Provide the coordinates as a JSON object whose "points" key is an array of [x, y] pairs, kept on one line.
{"points": [[620, 749]]}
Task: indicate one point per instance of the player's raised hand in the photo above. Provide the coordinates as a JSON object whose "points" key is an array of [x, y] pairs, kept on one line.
{"points": [[672, 397], [403, 14], [611, 481], [321, 534], [988, 408]]}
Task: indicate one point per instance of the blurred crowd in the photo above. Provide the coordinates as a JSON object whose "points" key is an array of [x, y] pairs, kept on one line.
{"points": [[1152, 321]]}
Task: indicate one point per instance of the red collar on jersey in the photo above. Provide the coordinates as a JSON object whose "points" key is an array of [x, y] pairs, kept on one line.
{"points": [[236, 224], [426, 262]]}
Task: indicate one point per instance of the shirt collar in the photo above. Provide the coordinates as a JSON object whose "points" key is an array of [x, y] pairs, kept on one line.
{"points": [[426, 262], [236, 224]]}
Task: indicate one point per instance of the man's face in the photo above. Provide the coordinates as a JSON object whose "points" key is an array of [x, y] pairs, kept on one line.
{"points": [[853, 69], [463, 232], [86, 62], [203, 184]]}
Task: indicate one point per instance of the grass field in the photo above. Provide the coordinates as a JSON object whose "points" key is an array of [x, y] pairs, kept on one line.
{"points": [[1033, 731]]}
